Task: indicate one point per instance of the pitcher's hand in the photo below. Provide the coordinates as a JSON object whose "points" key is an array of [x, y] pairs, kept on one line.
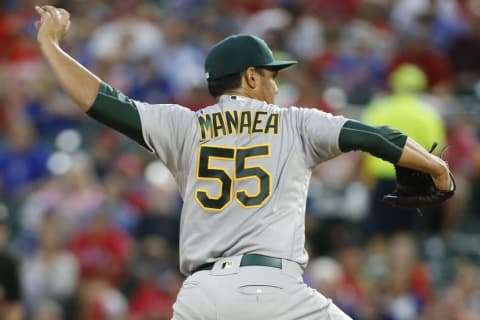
{"points": [[443, 181], [53, 23]]}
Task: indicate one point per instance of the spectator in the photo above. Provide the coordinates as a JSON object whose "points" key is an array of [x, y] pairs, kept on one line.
{"points": [[405, 13], [377, 15], [407, 287], [463, 55], [323, 273], [403, 109], [51, 274], [337, 202], [103, 252], [103, 150], [23, 161], [351, 289], [461, 155], [19, 46], [126, 37], [304, 34], [359, 68], [157, 280], [163, 216], [45, 106], [101, 249], [414, 49], [179, 53], [126, 192], [309, 91], [461, 300], [71, 196]]}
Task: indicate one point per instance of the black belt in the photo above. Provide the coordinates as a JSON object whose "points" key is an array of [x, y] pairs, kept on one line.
{"points": [[248, 260]]}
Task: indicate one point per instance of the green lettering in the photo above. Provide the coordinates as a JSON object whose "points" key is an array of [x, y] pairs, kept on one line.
{"points": [[205, 123], [218, 124], [272, 123], [232, 121], [258, 121], [245, 122]]}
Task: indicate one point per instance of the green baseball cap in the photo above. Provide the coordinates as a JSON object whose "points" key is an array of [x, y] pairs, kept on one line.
{"points": [[236, 53]]}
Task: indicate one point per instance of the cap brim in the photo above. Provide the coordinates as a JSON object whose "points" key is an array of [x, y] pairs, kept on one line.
{"points": [[280, 64]]}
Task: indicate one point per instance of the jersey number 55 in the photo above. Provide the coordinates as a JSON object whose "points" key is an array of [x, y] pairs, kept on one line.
{"points": [[241, 171]]}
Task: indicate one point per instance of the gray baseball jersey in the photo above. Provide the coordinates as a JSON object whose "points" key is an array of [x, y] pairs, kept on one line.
{"points": [[243, 168]]}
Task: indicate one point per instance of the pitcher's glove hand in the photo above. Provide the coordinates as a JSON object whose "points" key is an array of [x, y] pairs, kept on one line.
{"points": [[416, 189]]}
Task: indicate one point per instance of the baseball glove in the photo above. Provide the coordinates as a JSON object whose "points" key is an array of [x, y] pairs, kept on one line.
{"points": [[416, 189]]}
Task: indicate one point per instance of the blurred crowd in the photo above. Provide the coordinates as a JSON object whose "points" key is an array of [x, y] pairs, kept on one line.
{"points": [[91, 219]]}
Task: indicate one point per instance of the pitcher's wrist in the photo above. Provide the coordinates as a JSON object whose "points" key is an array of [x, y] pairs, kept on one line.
{"points": [[47, 41]]}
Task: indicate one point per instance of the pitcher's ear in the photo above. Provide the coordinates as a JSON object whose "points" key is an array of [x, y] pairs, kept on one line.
{"points": [[251, 77]]}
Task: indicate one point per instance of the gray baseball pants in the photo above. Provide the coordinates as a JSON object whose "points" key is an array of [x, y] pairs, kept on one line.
{"points": [[231, 292]]}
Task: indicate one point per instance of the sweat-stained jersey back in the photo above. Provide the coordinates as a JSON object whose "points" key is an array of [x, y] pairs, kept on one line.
{"points": [[243, 168]]}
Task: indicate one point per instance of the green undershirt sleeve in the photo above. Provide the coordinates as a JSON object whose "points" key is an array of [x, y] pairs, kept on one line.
{"points": [[383, 142], [117, 111]]}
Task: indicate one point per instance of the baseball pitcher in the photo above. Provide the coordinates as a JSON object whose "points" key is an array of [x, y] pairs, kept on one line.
{"points": [[243, 167]]}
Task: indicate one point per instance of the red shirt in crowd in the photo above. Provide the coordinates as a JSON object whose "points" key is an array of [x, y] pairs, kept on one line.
{"points": [[102, 255]]}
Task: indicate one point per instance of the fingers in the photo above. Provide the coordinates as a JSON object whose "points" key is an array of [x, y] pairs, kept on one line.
{"points": [[44, 14], [64, 12], [41, 12], [54, 23], [51, 9], [48, 11]]}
